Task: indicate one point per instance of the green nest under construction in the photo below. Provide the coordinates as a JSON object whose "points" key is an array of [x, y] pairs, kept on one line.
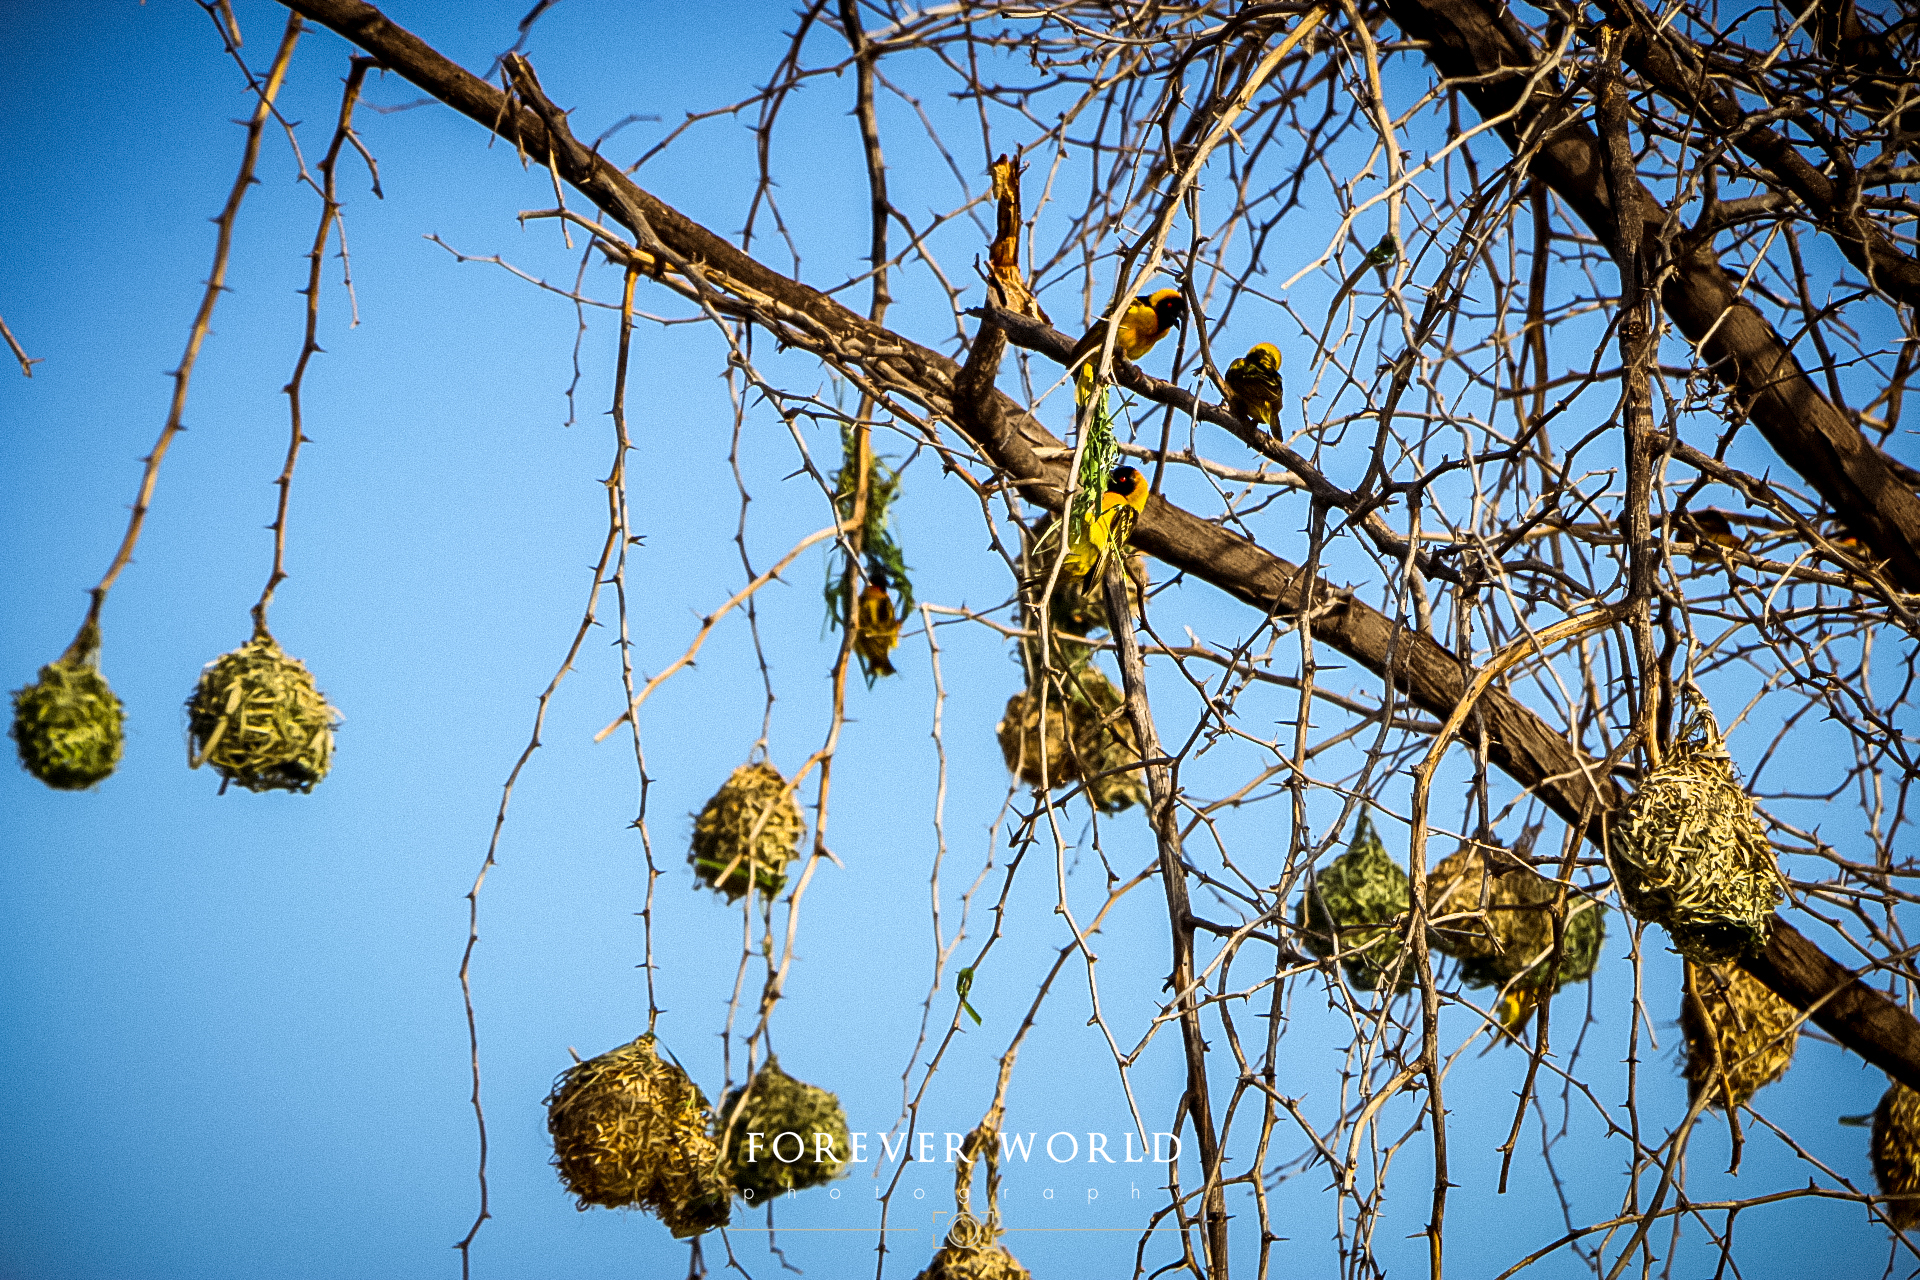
{"points": [[1692, 857], [1896, 1154], [991, 1262], [1505, 933], [1086, 736], [1350, 908], [69, 727], [1755, 1030], [786, 1136], [257, 718], [747, 834], [631, 1130]]}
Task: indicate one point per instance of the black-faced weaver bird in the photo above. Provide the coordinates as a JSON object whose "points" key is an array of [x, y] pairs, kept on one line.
{"points": [[1254, 383], [875, 627], [1711, 526], [1111, 526], [1147, 319]]}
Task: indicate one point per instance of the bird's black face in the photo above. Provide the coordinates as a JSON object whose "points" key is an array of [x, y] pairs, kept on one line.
{"points": [[1125, 481], [1169, 308]]}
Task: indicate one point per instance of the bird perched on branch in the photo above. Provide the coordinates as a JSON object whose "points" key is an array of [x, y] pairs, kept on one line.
{"points": [[1147, 319], [876, 627], [1710, 526], [1254, 383], [1110, 528]]}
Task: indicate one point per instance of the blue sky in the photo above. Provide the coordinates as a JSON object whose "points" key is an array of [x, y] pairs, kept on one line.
{"points": [[230, 1025]]}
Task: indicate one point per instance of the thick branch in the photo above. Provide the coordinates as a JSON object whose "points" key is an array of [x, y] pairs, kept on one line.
{"points": [[1479, 40], [1677, 72], [1028, 456], [1165, 820], [1037, 335], [1870, 55]]}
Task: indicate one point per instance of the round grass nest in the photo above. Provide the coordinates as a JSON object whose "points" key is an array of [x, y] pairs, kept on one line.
{"points": [[1896, 1153], [1691, 856], [1087, 733], [257, 718], [1755, 1028], [992, 1262], [1349, 910], [777, 1106], [1511, 937], [68, 726], [631, 1130], [747, 834]]}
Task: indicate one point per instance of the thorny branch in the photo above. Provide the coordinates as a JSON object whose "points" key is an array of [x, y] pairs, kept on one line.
{"points": [[1457, 490]]}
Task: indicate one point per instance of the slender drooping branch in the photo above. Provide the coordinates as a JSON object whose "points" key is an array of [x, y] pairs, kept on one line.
{"points": [[310, 339], [266, 91]]}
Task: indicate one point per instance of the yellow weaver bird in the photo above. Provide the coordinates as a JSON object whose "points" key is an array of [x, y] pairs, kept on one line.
{"points": [[1147, 319], [1111, 526], [1515, 1008], [1711, 526], [876, 629], [1253, 381]]}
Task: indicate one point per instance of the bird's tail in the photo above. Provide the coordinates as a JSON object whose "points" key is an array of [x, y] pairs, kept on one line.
{"points": [[1083, 380]]}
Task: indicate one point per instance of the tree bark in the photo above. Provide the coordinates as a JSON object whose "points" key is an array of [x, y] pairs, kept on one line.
{"points": [[1479, 40]]}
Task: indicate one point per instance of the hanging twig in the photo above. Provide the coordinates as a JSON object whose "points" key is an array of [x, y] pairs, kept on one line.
{"points": [[268, 90]]}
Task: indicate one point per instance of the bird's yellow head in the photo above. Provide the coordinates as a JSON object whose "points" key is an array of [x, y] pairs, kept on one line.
{"points": [[1264, 357], [1129, 485], [1169, 308]]}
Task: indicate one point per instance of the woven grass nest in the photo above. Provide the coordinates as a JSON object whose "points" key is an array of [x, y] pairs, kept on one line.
{"points": [[1691, 856], [1079, 613], [1896, 1153], [68, 726], [991, 1262], [779, 1107], [747, 834], [1087, 732], [1349, 910], [1756, 1030], [631, 1130], [1510, 939], [257, 718], [1077, 608]]}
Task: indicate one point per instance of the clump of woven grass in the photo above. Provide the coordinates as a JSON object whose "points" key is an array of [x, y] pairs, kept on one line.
{"points": [[1691, 855], [747, 834], [778, 1106], [631, 1130], [1349, 910], [1509, 939], [1756, 1031], [1076, 606], [1896, 1153], [68, 726], [990, 1262], [1077, 612], [1087, 734], [258, 719]]}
